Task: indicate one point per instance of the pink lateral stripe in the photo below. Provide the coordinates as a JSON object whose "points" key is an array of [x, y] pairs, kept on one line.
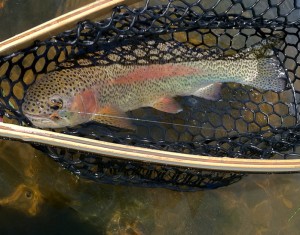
{"points": [[159, 71]]}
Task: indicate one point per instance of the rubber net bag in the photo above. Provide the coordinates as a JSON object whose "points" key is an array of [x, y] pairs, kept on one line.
{"points": [[243, 122]]}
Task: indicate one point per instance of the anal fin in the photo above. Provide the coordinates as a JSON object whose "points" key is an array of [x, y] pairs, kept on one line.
{"points": [[168, 105], [210, 92]]}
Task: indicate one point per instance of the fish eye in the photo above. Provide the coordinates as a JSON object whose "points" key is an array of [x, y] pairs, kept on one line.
{"points": [[56, 103]]}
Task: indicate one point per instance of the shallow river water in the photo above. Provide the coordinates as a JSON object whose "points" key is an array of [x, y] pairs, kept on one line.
{"points": [[39, 197]]}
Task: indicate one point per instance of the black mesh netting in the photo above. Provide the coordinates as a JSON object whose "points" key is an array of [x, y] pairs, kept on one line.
{"points": [[244, 123]]}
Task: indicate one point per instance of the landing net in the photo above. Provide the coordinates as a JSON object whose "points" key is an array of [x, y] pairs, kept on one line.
{"points": [[244, 123]]}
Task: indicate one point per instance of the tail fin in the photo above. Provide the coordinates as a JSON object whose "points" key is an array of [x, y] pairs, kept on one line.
{"points": [[270, 76]]}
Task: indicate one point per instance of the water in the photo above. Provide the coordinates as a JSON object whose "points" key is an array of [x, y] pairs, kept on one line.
{"points": [[37, 196], [51, 200], [17, 15]]}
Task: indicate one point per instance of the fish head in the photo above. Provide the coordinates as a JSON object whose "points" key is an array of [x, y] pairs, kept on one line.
{"points": [[55, 102]]}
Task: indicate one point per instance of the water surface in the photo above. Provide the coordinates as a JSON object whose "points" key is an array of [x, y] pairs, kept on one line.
{"points": [[38, 194]]}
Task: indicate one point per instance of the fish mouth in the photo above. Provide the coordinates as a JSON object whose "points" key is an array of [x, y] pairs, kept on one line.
{"points": [[42, 121], [35, 116]]}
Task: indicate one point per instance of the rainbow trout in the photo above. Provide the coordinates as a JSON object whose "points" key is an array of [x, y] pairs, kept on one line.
{"points": [[149, 74]]}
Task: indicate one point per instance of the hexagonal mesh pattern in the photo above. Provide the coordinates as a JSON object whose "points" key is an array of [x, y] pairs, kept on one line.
{"points": [[244, 123]]}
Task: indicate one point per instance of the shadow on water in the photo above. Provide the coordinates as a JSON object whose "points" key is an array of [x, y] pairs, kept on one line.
{"points": [[53, 222]]}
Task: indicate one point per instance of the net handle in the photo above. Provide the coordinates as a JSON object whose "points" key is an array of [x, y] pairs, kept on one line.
{"points": [[32, 135], [59, 24]]}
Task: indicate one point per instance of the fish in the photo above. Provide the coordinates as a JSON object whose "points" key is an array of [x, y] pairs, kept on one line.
{"points": [[146, 74]]}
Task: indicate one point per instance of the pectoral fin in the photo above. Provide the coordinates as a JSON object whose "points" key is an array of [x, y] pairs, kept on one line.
{"points": [[168, 105], [114, 117]]}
